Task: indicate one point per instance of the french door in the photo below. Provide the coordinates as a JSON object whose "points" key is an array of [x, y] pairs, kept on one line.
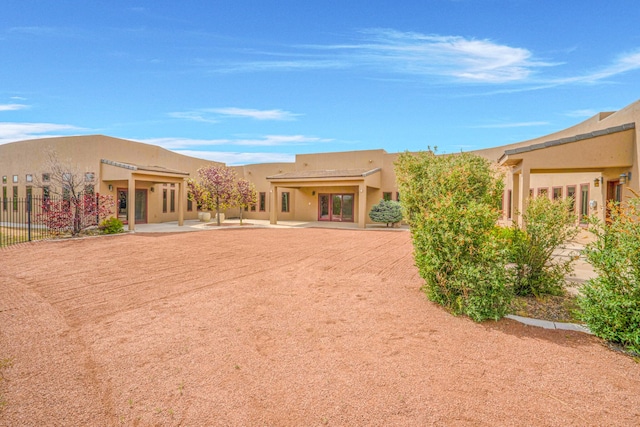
{"points": [[335, 207]]}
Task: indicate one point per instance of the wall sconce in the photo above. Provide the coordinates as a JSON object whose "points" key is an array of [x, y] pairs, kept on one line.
{"points": [[110, 187], [625, 177], [153, 189], [597, 182], [313, 193]]}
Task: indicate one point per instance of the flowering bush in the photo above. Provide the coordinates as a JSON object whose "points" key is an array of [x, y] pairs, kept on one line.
{"points": [[76, 213]]}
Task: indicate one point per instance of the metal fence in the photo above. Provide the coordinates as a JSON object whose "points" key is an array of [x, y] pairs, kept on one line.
{"points": [[38, 218]]}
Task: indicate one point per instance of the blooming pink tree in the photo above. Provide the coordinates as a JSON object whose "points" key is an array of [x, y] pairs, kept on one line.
{"points": [[75, 214], [199, 195], [245, 196], [220, 182], [71, 204]]}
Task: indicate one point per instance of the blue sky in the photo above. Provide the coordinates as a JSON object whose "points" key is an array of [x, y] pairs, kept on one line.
{"points": [[258, 81]]}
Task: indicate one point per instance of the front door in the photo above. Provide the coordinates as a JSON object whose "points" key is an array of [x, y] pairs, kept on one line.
{"points": [[140, 205], [335, 207]]}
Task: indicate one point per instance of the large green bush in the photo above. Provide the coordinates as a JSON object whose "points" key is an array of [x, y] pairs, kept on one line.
{"points": [[610, 303], [548, 224], [452, 203], [387, 211]]}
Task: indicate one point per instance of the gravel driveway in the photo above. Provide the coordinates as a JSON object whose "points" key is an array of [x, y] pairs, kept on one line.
{"points": [[277, 327]]}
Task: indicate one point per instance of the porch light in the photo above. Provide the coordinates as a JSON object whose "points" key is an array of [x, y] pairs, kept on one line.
{"points": [[625, 177], [597, 182], [110, 187]]}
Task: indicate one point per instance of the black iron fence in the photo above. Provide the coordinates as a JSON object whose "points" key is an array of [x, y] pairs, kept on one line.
{"points": [[38, 218]]}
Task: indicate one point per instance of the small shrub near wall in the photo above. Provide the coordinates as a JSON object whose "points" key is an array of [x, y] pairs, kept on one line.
{"points": [[111, 226], [452, 204], [388, 212], [548, 225], [610, 303]]}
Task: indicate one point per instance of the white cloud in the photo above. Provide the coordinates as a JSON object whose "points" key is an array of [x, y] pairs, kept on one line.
{"points": [[264, 141], [213, 115], [11, 132], [237, 158], [256, 114], [456, 57], [582, 113], [196, 116], [511, 125], [12, 107], [622, 64], [385, 50]]}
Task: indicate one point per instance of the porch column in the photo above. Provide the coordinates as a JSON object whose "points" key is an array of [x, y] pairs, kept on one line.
{"points": [[181, 203], [131, 203], [362, 205], [273, 204], [524, 183]]}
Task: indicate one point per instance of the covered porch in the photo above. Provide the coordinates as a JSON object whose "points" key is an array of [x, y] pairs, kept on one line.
{"points": [[130, 184], [323, 195], [608, 157]]}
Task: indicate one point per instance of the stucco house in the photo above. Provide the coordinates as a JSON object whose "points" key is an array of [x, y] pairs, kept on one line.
{"points": [[592, 162]]}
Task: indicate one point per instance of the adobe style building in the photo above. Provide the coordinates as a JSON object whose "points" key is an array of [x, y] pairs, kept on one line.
{"points": [[147, 182], [592, 162]]}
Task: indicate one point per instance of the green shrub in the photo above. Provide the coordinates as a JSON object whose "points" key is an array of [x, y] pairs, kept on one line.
{"points": [[610, 303], [387, 211], [452, 204], [111, 226], [548, 224]]}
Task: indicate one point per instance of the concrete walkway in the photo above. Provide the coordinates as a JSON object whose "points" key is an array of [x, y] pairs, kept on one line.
{"points": [[195, 225]]}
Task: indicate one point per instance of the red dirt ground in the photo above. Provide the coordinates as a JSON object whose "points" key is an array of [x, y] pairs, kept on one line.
{"points": [[277, 327]]}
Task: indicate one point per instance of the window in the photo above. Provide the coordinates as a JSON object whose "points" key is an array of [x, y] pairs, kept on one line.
{"points": [[544, 191], [67, 177], [172, 205], [4, 198], [15, 178], [46, 192], [89, 189], [66, 192], [397, 196], [263, 202], [285, 201], [29, 177], [4, 179], [571, 195], [89, 177], [15, 198], [557, 193], [189, 206], [531, 193], [164, 200], [386, 195], [46, 177], [509, 198], [29, 195], [584, 203], [253, 207]]}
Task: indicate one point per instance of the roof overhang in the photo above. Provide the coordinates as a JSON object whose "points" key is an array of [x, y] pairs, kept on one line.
{"points": [[328, 177], [606, 148], [114, 171]]}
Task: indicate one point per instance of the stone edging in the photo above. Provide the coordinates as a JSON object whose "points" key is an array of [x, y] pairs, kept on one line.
{"points": [[546, 324]]}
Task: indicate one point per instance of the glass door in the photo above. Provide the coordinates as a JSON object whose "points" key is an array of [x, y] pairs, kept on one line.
{"points": [[335, 207], [140, 205], [323, 208]]}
